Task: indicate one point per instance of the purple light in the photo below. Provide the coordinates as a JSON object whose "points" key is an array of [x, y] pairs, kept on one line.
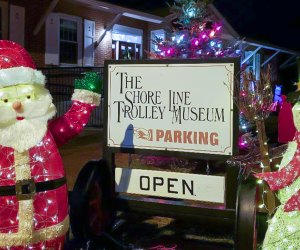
{"points": [[195, 42], [242, 144]]}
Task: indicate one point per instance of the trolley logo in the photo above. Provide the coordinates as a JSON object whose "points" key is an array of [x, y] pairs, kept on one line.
{"points": [[143, 134], [170, 184]]}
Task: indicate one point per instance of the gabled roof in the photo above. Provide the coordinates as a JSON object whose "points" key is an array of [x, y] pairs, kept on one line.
{"points": [[116, 9]]}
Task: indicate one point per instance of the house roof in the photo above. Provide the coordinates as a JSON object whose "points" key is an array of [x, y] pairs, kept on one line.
{"points": [[117, 9]]}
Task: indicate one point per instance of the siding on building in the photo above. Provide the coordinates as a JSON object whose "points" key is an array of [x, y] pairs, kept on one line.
{"points": [[35, 9]]}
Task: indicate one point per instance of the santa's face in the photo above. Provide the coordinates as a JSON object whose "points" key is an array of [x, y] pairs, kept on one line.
{"points": [[24, 112]]}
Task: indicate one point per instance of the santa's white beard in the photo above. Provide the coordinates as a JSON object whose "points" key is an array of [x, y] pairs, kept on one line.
{"points": [[24, 134]]}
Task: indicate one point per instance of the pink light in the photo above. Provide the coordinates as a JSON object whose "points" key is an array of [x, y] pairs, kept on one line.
{"points": [[242, 143], [203, 36], [217, 27], [212, 33], [170, 51]]}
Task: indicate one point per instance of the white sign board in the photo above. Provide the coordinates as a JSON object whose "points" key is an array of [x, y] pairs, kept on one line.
{"points": [[170, 184], [174, 107]]}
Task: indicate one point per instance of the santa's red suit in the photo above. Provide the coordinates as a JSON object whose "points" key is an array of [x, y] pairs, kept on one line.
{"points": [[33, 192], [43, 216]]}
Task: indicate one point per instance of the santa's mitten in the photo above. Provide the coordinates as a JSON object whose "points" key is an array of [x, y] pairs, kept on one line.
{"points": [[87, 89]]}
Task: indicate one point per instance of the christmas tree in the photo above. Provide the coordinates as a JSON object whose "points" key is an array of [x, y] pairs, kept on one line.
{"points": [[283, 231], [194, 34]]}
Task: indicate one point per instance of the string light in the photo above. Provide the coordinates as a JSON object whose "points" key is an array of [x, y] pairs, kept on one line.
{"points": [[259, 182]]}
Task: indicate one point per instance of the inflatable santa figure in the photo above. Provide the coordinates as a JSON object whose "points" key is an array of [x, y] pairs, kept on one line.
{"points": [[33, 192]]}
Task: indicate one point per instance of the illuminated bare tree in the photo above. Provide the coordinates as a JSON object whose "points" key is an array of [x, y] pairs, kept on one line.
{"points": [[254, 100]]}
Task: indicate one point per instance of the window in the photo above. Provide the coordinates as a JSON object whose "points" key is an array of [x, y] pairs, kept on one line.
{"points": [[156, 34], [1, 36], [3, 20], [68, 42], [17, 24], [253, 64], [63, 40]]}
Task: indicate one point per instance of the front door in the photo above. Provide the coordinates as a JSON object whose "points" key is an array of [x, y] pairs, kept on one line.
{"points": [[126, 50]]}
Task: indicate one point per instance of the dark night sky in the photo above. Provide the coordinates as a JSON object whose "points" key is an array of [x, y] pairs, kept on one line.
{"points": [[273, 21]]}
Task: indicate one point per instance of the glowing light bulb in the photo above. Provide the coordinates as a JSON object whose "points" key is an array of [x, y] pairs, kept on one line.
{"points": [[196, 42], [212, 43], [291, 229], [191, 12]]}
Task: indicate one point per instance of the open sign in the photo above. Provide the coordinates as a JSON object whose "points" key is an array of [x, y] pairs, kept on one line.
{"points": [[169, 184]]}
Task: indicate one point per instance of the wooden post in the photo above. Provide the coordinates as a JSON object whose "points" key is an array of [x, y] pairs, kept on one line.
{"points": [[265, 160]]}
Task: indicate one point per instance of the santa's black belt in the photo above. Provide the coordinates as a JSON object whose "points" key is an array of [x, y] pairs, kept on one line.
{"points": [[26, 189]]}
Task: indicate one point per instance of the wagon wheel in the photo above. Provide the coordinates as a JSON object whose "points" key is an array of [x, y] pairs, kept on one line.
{"points": [[245, 227], [91, 210]]}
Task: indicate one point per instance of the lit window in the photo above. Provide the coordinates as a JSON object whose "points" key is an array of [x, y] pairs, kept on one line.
{"points": [[155, 36]]}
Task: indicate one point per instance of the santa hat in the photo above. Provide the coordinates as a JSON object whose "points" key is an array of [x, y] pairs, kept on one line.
{"points": [[17, 66]]}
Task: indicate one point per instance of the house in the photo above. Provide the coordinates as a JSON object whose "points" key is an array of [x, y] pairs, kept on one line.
{"points": [[83, 33], [76, 32], [65, 36]]}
